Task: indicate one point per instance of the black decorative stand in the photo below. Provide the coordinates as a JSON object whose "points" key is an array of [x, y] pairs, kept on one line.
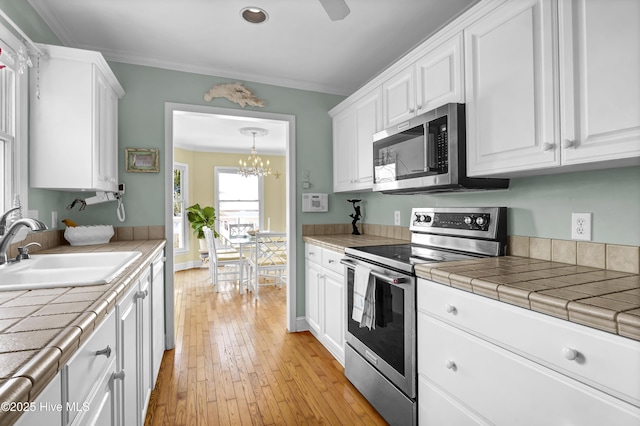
{"points": [[355, 217]]}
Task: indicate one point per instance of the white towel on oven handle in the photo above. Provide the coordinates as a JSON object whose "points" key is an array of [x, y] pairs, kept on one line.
{"points": [[369, 310], [361, 278]]}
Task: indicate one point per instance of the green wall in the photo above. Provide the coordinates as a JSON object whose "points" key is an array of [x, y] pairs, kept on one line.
{"points": [[540, 206]]}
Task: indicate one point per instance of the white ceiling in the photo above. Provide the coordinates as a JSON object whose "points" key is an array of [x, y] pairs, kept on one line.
{"points": [[299, 46]]}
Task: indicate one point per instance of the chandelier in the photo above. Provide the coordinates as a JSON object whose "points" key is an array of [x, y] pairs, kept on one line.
{"points": [[254, 166]]}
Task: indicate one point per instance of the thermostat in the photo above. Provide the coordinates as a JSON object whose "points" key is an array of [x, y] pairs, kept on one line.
{"points": [[315, 202]]}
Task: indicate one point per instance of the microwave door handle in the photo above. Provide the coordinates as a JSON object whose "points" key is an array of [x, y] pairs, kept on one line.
{"points": [[430, 160]]}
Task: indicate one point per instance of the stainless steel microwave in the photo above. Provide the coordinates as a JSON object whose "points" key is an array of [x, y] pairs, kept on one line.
{"points": [[426, 154]]}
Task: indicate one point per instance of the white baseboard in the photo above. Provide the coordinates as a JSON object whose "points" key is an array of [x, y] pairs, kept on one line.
{"points": [[186, 265], [301, 324]]}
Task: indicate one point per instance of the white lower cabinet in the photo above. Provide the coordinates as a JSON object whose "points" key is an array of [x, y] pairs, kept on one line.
{"points": [[479, 372], [134, 327], [88, 379], [325, 298], [157, 315], [109, 379]]}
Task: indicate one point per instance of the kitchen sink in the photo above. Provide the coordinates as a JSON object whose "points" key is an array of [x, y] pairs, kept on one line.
{"points": [[65, 270]]}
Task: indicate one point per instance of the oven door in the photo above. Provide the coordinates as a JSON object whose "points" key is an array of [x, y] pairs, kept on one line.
{"points": [[391, 346]]}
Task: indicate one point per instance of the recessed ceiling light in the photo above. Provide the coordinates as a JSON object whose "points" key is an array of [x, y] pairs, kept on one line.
{"points": [[254, 15]]}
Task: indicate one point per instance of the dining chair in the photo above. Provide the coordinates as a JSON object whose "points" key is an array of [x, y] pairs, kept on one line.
{"points": [[268, 260], [223, 267], [239, 229]]}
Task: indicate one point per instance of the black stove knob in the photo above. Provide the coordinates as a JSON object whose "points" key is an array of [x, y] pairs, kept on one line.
{"points": [[426, 218]]}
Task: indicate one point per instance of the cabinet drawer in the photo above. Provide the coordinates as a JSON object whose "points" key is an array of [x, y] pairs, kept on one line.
{"points": [[86, 366], [331, 261], [437, 408], [313, 253], [604, 360], [506, 388]]}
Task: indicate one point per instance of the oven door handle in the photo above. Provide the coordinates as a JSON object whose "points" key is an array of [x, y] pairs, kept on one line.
{"points": [[384, 277]]}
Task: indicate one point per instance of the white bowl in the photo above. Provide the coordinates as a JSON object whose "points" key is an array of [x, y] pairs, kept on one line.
{"points": [[88, 235]]}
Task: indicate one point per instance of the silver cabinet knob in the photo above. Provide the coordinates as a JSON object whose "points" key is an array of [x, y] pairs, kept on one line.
{"points": [[106, 351], [570, 353], [142, 294], [118, 375], [546, 147], [450, 364], [450, 309], [567, 144]]}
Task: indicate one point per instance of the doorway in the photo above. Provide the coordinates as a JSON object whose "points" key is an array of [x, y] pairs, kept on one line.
{"points": [[171, 109]]}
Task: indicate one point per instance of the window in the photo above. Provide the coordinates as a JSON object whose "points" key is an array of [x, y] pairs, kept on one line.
{"points": [[238, 199], [13, 120], [180, 225]]}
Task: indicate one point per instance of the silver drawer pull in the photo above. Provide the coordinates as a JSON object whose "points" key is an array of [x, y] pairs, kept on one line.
{"points": [[331, 260], [451, 309], [142, 294], [450, 365], [106, 351], [118, 375]]}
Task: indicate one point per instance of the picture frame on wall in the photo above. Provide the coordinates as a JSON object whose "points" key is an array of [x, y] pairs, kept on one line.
{"points": [[140, 160]]}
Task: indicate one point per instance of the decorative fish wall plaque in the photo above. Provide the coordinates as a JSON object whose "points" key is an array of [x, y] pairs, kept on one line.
{"points": [[235, 92]]}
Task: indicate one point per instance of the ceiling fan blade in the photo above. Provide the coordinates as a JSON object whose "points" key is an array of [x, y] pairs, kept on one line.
{"points": [[336, 9]]}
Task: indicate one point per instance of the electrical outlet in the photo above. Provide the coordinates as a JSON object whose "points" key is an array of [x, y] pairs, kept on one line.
{"points": [[54, 219], [396, 218], [581, 226]]}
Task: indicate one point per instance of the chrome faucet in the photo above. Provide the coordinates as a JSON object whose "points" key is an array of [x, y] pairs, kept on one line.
{"points": [[6, 235]]}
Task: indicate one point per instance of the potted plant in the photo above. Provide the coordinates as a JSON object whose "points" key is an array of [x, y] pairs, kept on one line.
{"points": [[200, 217]]}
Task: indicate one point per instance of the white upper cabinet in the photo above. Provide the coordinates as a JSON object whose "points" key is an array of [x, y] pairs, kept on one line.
{"points": [[74, 121], [511, 89], [353, 130], [552, 87], [440, 76], [600, 80], [433, 80], [399, 96]]}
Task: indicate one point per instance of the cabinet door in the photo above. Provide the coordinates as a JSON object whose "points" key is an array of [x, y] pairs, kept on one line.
{"points": [[102, 408], [369, 121], [128, 333], [312, 294], [106, 133], [157, 315], [145, 364], [601, 80], [439, 76], [510, 83], [344, 142], [334, 314], [399, 97]]}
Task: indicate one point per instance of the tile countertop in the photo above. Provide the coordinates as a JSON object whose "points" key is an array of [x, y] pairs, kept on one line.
{"points": [[603, 299], [40, 329], [338, 242]]}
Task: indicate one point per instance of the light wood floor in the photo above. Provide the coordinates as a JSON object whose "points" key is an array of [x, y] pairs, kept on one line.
{"points": [[235, 363]]}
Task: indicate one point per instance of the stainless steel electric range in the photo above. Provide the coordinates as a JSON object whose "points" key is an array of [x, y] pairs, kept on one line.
{"points": [[381, 361]]}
